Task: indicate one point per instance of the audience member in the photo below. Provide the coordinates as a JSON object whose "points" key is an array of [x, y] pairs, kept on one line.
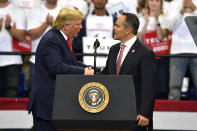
{"points": [[182, 43], [12, 27], [27, 4], [172, 7], [25, 46], [39, 21], [98, 23], [152, 31]]}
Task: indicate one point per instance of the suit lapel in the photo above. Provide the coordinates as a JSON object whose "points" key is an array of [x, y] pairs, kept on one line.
{"points": [[66, 45], [130, 57], [114, 57]]}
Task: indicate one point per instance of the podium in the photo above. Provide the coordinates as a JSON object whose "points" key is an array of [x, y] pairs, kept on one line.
{"points": [[117, 112]]}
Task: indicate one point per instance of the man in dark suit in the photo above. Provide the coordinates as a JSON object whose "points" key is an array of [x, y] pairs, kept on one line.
{"points": [[54, 55], [131, 57]]}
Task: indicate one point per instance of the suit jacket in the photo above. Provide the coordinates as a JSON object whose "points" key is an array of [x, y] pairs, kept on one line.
{"points": [[139, 62], [53, 56]]}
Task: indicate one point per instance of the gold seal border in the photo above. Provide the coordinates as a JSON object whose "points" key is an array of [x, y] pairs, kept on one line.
{"points": [[106, 97]]}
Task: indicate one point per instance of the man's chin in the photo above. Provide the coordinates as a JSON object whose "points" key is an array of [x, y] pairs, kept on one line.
{"points": [[76, 35], [115, 38]]}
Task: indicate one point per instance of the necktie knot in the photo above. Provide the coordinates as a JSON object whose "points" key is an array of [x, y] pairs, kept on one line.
{"points": [[68, 40], [70, 46], [122, 46]]}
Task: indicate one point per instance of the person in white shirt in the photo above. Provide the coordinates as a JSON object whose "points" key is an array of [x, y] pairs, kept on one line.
{"points": [[155, 23], [12, 26], [39, 21], [182, 43], [172, 7], [27, 5], [98, 24]]}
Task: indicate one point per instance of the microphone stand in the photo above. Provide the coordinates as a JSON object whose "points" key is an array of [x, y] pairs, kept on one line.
{"points": [[96, 45]]}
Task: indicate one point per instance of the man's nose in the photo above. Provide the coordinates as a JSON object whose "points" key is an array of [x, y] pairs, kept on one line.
{"points": [[114, 28]]}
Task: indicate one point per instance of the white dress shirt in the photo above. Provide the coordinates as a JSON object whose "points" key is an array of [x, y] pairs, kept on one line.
{"points": [[65, 37], [127, 47]]}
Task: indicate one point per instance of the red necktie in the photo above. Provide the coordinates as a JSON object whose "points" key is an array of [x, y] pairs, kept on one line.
{"points": [[118, 62], [71, 48], [70, 45]]}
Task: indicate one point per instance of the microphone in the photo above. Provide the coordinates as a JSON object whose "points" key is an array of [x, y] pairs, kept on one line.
{"points": [[96, 44]]}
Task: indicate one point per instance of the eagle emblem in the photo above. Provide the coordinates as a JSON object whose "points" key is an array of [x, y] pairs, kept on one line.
{"points": [[93, 97]]}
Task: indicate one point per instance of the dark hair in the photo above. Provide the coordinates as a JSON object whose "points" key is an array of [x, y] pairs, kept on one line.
{"points": [[132, 21]]}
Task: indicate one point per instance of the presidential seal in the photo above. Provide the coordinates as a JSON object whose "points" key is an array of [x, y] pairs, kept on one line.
{"points": [[93, 97]]}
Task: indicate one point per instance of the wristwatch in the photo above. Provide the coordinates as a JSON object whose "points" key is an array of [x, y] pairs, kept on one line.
{"points": [[158, 24], [8, 28]]}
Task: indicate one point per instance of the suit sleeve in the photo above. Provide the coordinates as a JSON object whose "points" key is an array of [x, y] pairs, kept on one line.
{"points": [[148, 89], [53, 60], [79, 63], [105, 70]]}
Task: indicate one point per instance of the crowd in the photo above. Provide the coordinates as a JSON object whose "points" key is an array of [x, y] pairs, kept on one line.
{"points": [[162, 28]]}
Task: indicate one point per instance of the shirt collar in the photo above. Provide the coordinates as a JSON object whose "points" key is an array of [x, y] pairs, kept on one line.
{"points": [[65, 37], [130, 42], [106, 13]]}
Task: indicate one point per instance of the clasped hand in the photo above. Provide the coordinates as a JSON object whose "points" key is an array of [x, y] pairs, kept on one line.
{"points": [[89, 71]]}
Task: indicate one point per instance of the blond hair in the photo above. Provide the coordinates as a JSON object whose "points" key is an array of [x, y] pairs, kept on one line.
{"points": [[66, 15]]}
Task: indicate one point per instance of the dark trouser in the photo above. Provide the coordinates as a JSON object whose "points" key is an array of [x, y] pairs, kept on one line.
{"points": [[42, 125], [32, 73], [163, 78], [9, 79]]}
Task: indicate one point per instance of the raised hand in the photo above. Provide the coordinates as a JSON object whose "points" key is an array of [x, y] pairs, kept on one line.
{"points": [[8, 21], [49, 19]]}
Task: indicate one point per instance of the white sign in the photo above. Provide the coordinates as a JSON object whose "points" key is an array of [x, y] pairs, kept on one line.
{"points": [[88, 47], [117, 9]]}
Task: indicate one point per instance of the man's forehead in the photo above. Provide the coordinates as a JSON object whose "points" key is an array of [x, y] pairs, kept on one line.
{"points": [[120, 19]]}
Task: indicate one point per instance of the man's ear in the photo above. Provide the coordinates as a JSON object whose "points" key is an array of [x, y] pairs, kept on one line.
{"points": [[65, 27], [129, 30]]}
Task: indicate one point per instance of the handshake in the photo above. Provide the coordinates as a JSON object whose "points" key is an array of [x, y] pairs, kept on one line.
{"points": [[89, 71]]}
